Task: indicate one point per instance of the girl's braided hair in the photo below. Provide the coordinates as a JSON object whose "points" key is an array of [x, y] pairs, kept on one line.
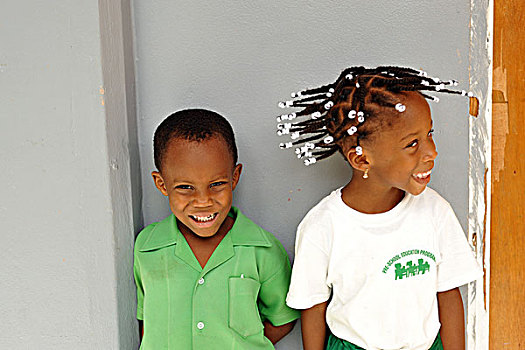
{"points": [[339, 109]]}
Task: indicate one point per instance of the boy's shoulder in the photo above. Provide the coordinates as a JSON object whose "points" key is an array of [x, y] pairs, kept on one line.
{"points": [[247, 232], [157, 234]]}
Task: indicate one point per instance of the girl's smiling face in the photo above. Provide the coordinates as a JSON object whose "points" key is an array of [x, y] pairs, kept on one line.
{"points": [[199, 178], [402, 155]]}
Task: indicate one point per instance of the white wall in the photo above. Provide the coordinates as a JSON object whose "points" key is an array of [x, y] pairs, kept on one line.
{"points": [[66, 238]]}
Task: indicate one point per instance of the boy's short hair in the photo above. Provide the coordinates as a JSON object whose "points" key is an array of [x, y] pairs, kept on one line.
{"points": [[192, 125]]}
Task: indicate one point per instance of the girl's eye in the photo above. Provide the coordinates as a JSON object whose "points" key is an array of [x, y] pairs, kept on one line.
{"points": [[183, 187], [412, 144]]}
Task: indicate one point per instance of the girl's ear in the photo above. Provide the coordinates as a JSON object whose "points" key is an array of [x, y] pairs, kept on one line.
{"points": [[357, 161], [159, 182]]}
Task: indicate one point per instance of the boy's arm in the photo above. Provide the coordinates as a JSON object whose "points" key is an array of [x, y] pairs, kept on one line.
{"points": [[276, 333], [313, 326], [452, 319]]}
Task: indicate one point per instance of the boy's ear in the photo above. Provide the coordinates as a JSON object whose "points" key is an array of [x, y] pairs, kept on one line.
{"points": [[159, 182], [358, 162], [236, 175]]}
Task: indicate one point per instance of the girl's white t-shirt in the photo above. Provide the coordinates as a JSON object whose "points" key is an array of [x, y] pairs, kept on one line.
{"points": [[381, 271]]}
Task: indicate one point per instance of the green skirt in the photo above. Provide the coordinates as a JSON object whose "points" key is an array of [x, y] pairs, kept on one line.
{"points": [[335, 343]]}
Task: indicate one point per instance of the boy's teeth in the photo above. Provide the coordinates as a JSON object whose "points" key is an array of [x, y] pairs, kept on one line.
{"points": [[203, 218]]}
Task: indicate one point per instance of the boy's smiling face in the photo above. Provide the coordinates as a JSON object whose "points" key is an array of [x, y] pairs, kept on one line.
{"points": [[199, 178]]}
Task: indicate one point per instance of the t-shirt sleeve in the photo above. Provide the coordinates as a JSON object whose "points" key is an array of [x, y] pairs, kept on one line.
{"points": [[272, 293], [457, 264], [140, 290], [309, 285]]}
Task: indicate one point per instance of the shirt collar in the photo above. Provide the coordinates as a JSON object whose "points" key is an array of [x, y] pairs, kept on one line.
{"points": [[244, 232]]}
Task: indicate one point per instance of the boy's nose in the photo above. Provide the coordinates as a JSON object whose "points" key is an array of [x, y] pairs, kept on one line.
{"points": [[202, 198]]}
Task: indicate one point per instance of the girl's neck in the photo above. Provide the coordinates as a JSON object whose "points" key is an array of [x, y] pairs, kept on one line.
{"points": [[362, 196]]}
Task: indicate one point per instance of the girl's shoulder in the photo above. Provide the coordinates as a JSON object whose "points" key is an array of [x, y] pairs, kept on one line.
{"points": [[324, 210], [431, 197]]}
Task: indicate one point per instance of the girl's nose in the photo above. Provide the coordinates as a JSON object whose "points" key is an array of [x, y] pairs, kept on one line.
{"points": [[430, 151]]}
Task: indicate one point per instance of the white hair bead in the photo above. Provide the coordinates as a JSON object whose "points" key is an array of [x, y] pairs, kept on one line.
{"points": [[316, 115], [359, 150], [360, 114], [328, 139], [328, 94], [281, 105], [361, 119], [357, 85], [285, 145], [328, 105], [331, 90], [435, 98], [352, 130], [309, 145], [425, 83], [294, 135], [297, 150], [352, 114], [400, 107], [309, 161], [470, 94], [349, 76]]}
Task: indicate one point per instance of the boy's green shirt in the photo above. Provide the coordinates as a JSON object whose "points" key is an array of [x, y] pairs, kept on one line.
{"points": [[220, 306]]}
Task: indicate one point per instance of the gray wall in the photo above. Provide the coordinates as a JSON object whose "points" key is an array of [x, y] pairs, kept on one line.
{"points": [[65, 154], [241, 57]]}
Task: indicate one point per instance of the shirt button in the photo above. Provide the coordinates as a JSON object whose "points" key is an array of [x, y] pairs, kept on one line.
{"points": [[200, 325], [201, 281]]}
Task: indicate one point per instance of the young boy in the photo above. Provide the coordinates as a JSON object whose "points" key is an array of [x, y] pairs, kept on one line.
{"points": [[207, 276]]}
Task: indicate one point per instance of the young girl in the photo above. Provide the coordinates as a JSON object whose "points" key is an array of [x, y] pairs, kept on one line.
{"points": [[381, 259]]}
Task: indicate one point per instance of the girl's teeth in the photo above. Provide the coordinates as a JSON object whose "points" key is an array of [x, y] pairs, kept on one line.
{"points": [[422, 175]]}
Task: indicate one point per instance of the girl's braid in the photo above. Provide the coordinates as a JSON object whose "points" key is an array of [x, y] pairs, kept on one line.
{"points": [[341, 108]]}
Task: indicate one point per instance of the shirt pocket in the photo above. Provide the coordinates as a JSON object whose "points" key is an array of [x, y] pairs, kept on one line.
{"points": [[244, 315]]}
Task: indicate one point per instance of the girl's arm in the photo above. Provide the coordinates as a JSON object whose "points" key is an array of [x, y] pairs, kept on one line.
{"points": [[452, 319], [276, 333], [313, 326]]}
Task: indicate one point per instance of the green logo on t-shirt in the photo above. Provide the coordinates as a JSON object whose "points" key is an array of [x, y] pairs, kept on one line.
{"points": [[410, 269]]}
